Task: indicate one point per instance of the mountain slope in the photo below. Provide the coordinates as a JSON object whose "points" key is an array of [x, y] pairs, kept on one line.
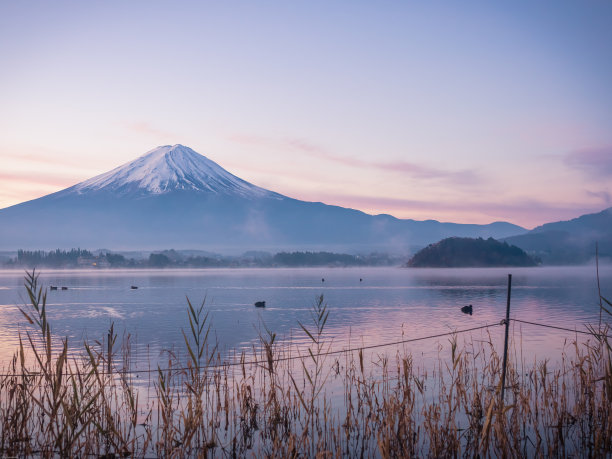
{"points": [[175, 197], [171, 168], [571, 241]]}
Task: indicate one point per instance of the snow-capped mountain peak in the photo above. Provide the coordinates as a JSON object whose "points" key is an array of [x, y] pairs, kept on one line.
{"points": [[172, 168]]}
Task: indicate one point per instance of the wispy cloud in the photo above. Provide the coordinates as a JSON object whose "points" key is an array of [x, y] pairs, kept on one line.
{"points": [[404, 167], [33, 158], [50, 180], [41, 156], [142, 127], [49, 162], [415, 170], [253, 140], [595, 162], [603, 195]]}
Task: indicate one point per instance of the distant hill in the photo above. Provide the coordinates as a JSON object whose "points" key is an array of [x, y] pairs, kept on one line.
{"points": [[569, 242], [463, 252], [174, 197]]}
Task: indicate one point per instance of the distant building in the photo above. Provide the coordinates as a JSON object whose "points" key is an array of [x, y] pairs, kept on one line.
{"points": [[93, 262], [85, 262], [102, 263]]}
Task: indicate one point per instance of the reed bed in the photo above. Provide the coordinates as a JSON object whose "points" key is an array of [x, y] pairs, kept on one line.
{"points": [[283, 402]]}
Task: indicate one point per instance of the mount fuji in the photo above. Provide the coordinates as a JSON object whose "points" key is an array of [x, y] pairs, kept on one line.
{"points": [[171, 168], [174, 197]]}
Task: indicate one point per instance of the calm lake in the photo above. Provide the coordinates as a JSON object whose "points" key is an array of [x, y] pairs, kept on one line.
{"points": [[367, 306]]}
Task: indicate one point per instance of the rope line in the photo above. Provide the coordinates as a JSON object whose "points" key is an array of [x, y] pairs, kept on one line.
{"points": [[333, 352], [562, 328], [284, 359]]}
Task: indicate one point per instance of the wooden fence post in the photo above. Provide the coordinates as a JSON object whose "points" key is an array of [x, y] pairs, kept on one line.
{"points": [[507, 322]]}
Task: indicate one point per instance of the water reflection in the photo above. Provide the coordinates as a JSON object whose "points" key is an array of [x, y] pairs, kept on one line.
{"points": [[388, 305]]}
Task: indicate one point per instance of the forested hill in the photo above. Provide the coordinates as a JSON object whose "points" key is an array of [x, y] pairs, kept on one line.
{"points": [[457, 252]]}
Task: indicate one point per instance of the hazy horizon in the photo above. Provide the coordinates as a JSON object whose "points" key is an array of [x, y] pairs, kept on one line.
{"points": [[329, 203]]}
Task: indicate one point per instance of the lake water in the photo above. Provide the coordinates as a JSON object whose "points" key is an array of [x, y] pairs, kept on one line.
{"points": [[367, 306]]}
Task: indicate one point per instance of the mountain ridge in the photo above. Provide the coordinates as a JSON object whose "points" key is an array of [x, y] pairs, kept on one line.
{"points": [[174, 197], [569, 241]]}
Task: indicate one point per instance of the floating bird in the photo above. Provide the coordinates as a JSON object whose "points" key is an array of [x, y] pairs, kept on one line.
{"points": [[260, 304], [467, 309], [134, 287], [360, 279], [53, 287], [323, 280], [64, 288]]}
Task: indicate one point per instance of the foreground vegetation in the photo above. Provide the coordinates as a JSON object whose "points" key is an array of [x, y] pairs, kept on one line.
{"points": [[281, 402]]}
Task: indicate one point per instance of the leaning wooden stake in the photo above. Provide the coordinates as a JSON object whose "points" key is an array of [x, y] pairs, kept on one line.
{"points": [[507, 322]]}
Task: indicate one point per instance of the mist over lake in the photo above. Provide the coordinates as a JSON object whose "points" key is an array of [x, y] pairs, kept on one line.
{"points": [[387, 304]]}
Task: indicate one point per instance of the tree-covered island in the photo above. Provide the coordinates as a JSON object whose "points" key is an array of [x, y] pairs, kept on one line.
{"points": [[464, 252]]}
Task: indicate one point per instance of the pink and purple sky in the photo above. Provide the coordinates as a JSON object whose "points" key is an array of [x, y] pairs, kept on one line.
{"points": [[469, 112]]}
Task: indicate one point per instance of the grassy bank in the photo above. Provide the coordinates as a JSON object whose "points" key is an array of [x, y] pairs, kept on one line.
{"points": [[281, 402]]}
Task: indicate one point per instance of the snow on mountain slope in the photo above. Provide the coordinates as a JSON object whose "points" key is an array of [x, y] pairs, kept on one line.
{"points": [[170, 168]]}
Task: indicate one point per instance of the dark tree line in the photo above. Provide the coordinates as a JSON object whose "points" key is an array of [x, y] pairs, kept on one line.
{"points": [[53, 258], [173, 259]]}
